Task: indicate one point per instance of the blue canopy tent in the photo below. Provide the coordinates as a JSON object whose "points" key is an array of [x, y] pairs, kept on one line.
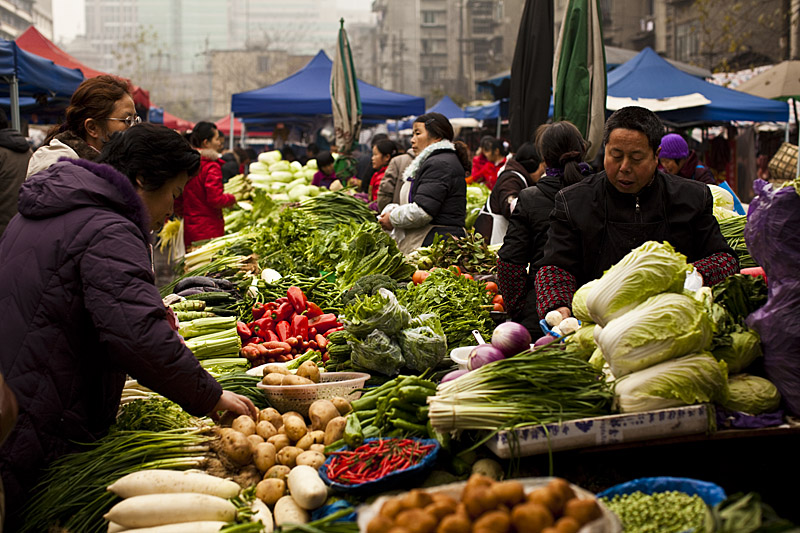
{"points": [[447, 107], [28, 75], [648, 75], [307, 93]]}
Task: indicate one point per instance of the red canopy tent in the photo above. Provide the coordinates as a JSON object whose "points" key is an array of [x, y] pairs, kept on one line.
{"points": [[36, 43], [175, 123], [224, 126]]}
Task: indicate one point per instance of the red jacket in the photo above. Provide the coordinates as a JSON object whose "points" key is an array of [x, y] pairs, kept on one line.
{"points": [[375, 184], [203, 200], [485, 171]]}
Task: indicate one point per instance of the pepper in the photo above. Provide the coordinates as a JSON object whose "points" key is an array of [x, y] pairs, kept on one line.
{"points": [[258, 311], [324, 322], [271, 336], [262, 325], [283, 312], [243, 331], [297, 299], [352, 432], [300, 326], [282, 300], [313, 310], [283, 329]]}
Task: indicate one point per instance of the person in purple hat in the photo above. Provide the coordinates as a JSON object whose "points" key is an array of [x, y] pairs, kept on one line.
{"points": [[676, 158]]}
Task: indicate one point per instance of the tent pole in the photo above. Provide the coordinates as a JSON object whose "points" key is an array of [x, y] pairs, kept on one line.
{"points": [[15, 121], [786, 132], [241, 137], [499, 125], [232, 133]]}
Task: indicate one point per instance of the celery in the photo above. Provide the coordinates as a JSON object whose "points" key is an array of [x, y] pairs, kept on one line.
{"points": [[218, 344], [204, 326]]}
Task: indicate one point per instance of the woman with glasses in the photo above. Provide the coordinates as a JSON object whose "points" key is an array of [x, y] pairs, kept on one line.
{"points": [[99, 107]]}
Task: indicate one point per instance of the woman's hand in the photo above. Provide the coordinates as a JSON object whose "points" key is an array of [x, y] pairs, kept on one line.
{"points": [[230, 401], [385, 222]]}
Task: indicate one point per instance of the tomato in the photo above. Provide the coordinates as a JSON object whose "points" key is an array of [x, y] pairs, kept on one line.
{"points": [[498, 299], [498, 307], [468, 276], [420, 276], [455, 269], [491, 286]]}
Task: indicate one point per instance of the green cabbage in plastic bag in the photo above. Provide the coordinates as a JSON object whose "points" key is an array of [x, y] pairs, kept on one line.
{"points": [[424, 345], [745, 348], [752, 395], [380, 311], [378, 353], [694, 378], [579, 309], [650, 269], [663, 327]]}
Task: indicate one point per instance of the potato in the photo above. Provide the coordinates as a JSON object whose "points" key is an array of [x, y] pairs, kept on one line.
{"points": [[309, 370], [496, 521], [416, 520], [295, 427], [295, 380], [391, 507], [312, 459], [379, 524], [254, 440], [278, 471], [287, 456], [273, 379], [399, 529], [279, 441], [547, 498], [478, 500], [317, 448], [236, 446], [312, 437], [282, 430], [416, 499], [321, 412], [342, 405], [583, 511], [561, 492], [264, 456], [509, 493], [440, 509], [439, 497], [272, 416], [276, 369], [270, 490], [567, 524], [265, 429], [244, 425], [531, 517], [335, 430], [454, 523]]}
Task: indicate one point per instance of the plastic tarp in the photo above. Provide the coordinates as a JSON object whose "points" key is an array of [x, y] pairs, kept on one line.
{"points": [[308, 93], [157, 115], [35, 74], [650, 76]]}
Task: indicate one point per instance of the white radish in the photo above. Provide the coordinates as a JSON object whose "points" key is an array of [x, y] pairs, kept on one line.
{"points": [[205, 526], [261, 513], [288, 512], [172, 481], [160, 509], [306, 487], [115, 528]]}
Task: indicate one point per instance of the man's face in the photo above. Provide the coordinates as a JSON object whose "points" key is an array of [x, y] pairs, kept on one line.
{"points": [[630, 162]]}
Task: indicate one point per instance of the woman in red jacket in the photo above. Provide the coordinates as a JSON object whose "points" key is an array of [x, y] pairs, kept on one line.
{"points": [[203, 197]]}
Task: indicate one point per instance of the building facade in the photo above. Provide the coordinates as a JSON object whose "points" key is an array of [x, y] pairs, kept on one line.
{"points": [[17, 15]]}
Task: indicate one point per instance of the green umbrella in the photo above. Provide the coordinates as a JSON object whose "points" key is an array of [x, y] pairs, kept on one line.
{"points": [[345, 100], [579, 71]]}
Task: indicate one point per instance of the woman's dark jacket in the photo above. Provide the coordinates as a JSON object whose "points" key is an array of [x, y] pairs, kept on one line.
{"points": [[80, 311], [440, 188]]}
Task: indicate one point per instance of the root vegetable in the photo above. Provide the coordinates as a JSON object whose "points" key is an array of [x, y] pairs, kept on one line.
{"points": [[391, 508], [236, 446], [205, 526], [561, 492], [342, 405], [270, 490], [295, 380], [271, 415], [440, 509], [295, 427], [261, 513], [455, 523], [583, 511], [478, 500], [159, 509], [416, 499], [489, 468], [279, 441], [416, 520], [288, 512], [312, 437], [254, 440], [509, 493], [265, 429], [278, 472], [567, 524], [273, 379], [379, 524], [115, 528], [321, 412], [496, 521], [306, 487], [317, 448], [169, 481], [264, 456], [310, 371], [312, 459], [276, 369], [287, 456], [334, 430], [244, 425], [531, 518]]}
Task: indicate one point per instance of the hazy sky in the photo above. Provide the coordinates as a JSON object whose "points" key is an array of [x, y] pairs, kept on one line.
{"points": [[68, 17]]}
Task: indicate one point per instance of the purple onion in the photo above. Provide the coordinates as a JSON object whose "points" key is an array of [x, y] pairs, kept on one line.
{"points": [[483, 354], [511, 338], [450, 376], [543, 341]]}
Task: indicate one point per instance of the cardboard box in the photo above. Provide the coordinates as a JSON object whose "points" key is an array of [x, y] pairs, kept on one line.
{"points": [[612, 429]]}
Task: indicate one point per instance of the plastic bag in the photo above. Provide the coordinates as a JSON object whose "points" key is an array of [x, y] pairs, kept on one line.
{"points": [[378, 353], [381, 311], [773, 240], [424, 345]]}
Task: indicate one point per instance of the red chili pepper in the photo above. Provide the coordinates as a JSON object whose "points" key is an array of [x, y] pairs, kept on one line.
{"points": [[271, 336], [300, 326], [324, 322], [243, 331], [313, 310], [258, 311], [297, 299], [283, 329], [283, 312]]}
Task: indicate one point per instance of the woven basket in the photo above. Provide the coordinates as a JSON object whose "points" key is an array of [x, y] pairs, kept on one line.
{"points": [[300, 397], [783, 165]]}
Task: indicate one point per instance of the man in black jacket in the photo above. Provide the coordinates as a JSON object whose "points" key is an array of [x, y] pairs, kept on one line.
{"points": [[596, 222], [14, 155]]}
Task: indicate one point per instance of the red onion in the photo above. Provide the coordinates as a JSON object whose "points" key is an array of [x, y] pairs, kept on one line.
{"points": [[542, 341], [511, 338], [483, 354], [450, 376]]}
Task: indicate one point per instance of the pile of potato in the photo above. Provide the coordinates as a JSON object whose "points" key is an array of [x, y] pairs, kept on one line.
{"points": [[488, 506], [306, 374]]}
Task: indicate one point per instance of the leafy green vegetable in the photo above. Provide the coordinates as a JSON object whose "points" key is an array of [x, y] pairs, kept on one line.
{"points": [[424, 345], [663, 327], [722, 198], [369, 285], [740, 295], [584, 337], [579, 309], [470, 253], [378, 353], [745, 347], [694, 378], [742, 513], [751, 394], [650, 269], [153, 414], [732, 228], [381, 312]]}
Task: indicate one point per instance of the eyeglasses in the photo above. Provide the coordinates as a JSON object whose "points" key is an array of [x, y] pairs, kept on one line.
{"points": [[129, 121]]}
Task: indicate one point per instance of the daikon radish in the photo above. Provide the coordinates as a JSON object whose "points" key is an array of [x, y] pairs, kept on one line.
{"points": [[172, 481], [115, 528], [209, 526], [261, 513], [288, 512], [306, 487], [160, 509]]}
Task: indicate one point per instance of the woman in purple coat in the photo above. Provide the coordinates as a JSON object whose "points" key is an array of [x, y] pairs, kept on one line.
{"points": [[79, 305]]}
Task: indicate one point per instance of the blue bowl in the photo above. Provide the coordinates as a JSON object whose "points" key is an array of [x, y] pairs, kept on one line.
{"points": [[711, 493], [394, 480], [548, 331]]}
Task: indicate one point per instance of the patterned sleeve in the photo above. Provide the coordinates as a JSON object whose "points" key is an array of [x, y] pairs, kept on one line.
{"points": [[554, 288], [511, 281], [716, 267]]}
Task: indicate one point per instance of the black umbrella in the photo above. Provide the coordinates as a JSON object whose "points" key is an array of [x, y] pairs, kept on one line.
{"points": [[531, 71]]}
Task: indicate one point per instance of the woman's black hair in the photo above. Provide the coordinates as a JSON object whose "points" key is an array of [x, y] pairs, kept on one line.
{"points": [[202, 131], [490, 144], [439, 127], [288, 154], [387, 147], [561, 146], [528, 156], [151, 153], [324, 159]]}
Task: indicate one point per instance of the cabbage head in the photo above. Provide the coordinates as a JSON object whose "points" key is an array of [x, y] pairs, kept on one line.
{"points": [[377, 352], [745, 348], [722, 198], [694, 378], [666, 326], [579, 309], [584, 337], [751, 394], [597, 360], [650, 269]]}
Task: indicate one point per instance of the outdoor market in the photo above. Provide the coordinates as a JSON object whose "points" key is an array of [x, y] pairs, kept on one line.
{"points": [[544, 313]]}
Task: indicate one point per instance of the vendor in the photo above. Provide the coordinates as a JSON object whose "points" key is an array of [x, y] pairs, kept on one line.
{"points": [[676, 159], [488, 162], [80, 307], [325, 176], [596, 222], [433, 194]]}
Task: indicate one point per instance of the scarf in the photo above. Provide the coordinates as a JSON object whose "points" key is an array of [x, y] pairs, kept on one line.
{"points": [[585, 168], [410, 173]]}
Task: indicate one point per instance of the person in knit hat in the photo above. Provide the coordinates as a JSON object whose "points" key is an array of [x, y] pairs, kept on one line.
{"points": [[676, 158]]}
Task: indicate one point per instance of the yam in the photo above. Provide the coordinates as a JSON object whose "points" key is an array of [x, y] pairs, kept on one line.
{"points": [[321, 412], [310, 371], [270, 490], [264, 456]]}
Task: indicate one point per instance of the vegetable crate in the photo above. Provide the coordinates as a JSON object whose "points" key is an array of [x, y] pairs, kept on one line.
{"points": [[604, 430], [300, 397]]}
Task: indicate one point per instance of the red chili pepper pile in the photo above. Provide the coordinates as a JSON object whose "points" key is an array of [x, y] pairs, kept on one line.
{"points": [[282, 329], [375, 459]]}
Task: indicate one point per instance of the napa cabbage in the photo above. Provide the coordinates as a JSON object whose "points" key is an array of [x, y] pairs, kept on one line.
{"points": [[693, 378], [650, 269], [752, 395], [745, 347], [579, 309], [722, 198]]}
